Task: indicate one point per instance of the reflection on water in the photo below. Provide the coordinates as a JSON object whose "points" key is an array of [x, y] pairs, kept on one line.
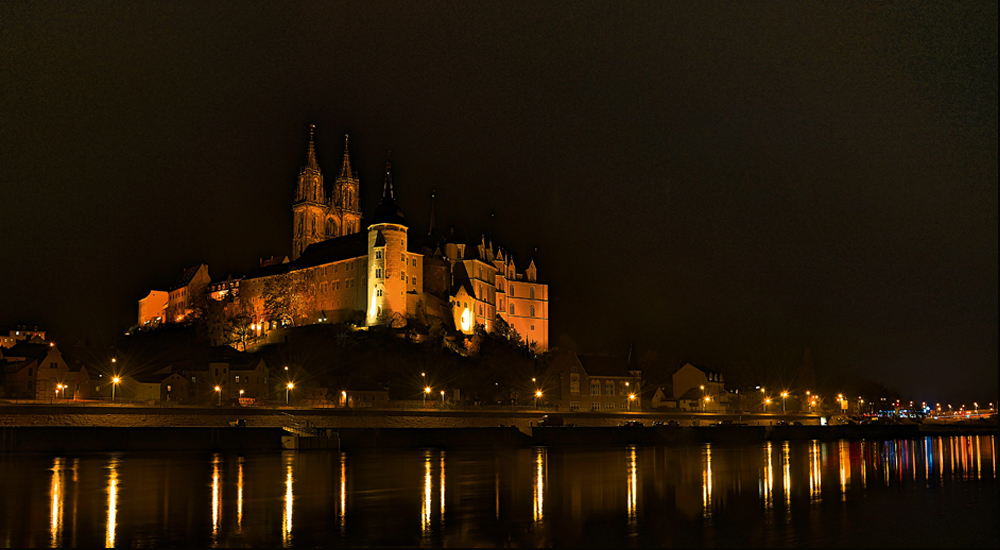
{"points": [[706, 481], [531, 497], [286, 518], [539, 486], [109, 538]]}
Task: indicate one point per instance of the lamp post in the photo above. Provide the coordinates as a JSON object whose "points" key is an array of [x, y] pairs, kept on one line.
{"points": [[784, 394], [538, 393], [218, 390], [114, 384], [704, 403], [427, 392], [442, 398], [631, 398], [287, 388], [767, 401]]}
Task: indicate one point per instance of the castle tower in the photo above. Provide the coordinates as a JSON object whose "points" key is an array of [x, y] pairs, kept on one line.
{"points": [[309, 208], [387, 258], [345, 208]]}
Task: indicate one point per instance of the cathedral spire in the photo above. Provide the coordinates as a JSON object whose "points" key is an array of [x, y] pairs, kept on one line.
{"points": [[311, 155], [345, 167]]}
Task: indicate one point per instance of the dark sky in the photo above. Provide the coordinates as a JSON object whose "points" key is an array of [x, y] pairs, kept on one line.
{"points": [[724, 183]]}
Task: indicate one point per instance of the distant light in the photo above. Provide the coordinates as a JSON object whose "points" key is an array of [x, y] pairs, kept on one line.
{"points": [[290, 385]]}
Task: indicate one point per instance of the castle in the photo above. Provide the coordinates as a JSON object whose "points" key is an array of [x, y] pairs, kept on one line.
{"points": [[344, 269]]}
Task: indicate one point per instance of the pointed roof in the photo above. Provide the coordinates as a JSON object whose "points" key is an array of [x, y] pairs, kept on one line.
{"points": [[388, 211], [311, 163], [433, 225], [345, 166]]}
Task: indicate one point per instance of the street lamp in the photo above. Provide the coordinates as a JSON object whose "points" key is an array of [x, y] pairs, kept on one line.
{"points": [[427, 391], [784, 394], [288, 387], [218, 390], [114, 384], [442, 398], [538, 393], [631, 398], [704, 403], [767, 401]]}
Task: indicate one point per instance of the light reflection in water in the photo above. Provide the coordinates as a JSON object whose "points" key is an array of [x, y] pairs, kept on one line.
{"points": [[845, 468], [539, 485], [216, 499], [56, 495], [786, 473], [441, 517], [239, 495], [286, 519], [109, 538], [706, 480], [425, 507], [633, 487], [343, 491], [815, 472], [767, 480]]}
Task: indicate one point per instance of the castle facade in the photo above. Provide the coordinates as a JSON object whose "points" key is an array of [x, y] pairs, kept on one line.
{"points": [[345, 268]]}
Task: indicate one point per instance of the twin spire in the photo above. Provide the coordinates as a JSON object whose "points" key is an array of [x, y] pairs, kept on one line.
{"points": [[345, 168]]}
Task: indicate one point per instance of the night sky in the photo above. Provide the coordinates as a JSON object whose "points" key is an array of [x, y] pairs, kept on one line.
{"points": [[722, 183]]}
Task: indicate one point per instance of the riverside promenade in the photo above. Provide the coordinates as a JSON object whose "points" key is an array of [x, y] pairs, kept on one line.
{"points": [[66, 428]]}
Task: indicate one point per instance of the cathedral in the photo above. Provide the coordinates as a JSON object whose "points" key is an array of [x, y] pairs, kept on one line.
{"points": [[378, 270]]}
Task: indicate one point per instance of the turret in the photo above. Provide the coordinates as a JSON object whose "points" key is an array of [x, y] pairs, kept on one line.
{"points": [[387, 258]]}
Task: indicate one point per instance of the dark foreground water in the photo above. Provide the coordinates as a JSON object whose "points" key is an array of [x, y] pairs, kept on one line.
{"points": [[937, 491]]}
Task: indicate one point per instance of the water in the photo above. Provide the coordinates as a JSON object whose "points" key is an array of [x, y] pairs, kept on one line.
{"points": [[937, 491]]}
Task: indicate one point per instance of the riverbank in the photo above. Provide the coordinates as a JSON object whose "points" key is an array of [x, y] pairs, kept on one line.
{"points": [[241, 439]]}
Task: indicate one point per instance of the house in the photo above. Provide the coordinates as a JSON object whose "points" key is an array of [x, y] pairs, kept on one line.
{"points": [[592, 383], [702, 385], [36, 371]]}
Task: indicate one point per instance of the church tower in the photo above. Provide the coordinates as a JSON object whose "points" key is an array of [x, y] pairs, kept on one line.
{"points": [[345, 210], [309, 208], [387, 259]]}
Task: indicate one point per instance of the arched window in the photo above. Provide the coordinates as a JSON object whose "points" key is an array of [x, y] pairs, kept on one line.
{"points": [[532, 311], [512, 309], [510, 291]]}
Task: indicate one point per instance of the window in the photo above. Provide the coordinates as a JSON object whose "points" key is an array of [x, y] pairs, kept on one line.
{"points": [[531, 291], [510, 291], [574, 383], [378, 273], [595, 406], [532, 311], [378, 254], [621, 388], [595, 387], [512, 309], [609, 406], [402, 257], [574, 405], [609, 388], [237, 378], [414, 280], [378, 292], [621, 406]]}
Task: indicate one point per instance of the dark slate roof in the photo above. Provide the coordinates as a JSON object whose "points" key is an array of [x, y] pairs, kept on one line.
{"points": [[333, 250], [185, 277], [25, 349], [598, 365], [461, 278], [388, 211], [707, 371]]}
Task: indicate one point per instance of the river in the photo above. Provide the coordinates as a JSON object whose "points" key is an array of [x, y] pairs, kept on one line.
{"points": [[933, 491]]}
